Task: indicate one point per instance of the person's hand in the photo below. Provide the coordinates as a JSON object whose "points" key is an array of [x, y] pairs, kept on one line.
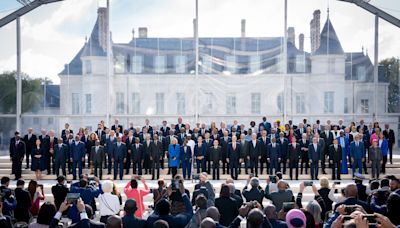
{"points": [[80, 205], [97, 180], [124, 160], [169, 190], [243, 211], [383, 221], [315, 190], [181, 188], [64, 206], [338, 223], [341, 209], [360, 221], [301, 187]]}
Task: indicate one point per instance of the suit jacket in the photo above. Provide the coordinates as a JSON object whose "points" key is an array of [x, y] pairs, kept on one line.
{"points": [[234, 154], [375, 154], [253, 194], [157, 151], [215, 154], [119, 153], [50, 143], [328, 138], [174, 151], [63, 132], [114, 128], [200, 150], [137, 154], [266, 125], [390, 136], [227, 208], [110, 145], [335, 155], [315, 155], [357, 152], [294, 154], [224, 146], [17, 152], [264, 146], [298, 133], [147, 150], [254, 151], [130, 220], [99, 155], [165, 130], [24, 204], [100, 133], [60, 153], [85, 223], [273, 152], [185, 157], [30, 143], [77, 151], [59, 192], [283, 146]]}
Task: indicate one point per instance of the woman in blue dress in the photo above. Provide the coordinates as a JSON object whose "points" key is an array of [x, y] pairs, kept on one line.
{"points": [[38, 160]]}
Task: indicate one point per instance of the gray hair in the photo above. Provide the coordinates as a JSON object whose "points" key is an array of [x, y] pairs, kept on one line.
{"points": [[314, 209], [107, 186], [254, 182]]}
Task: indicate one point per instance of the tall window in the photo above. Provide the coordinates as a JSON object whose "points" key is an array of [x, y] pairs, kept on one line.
{"points": [[361, 73], [180, 64], [160, 63], [75, 103], [88, 103], [300, 64], [230, 64], [88, 67], [180, 102], [300, 103], [255, 63], [231, 104], [208, 104], [120, 104], [331, 65], [135, 103], [160, 103], [364, 106], [119, 66], [255, 103], [328, 102], [137, 64], [206, 64], [346, 105]]}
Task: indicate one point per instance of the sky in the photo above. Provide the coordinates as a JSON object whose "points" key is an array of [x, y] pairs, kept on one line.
{"points": [[52, 34]]}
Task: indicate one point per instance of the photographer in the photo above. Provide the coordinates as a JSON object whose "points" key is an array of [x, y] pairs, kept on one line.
{"points": [[282, 195], [108, 203], [253, 215], [206, 184], [255, 192], [59, 191], [226, 205], [7, 197], [132, 191]]}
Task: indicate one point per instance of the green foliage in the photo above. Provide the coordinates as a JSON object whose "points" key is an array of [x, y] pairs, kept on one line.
{"points": [[391, 66], [32, 93]]}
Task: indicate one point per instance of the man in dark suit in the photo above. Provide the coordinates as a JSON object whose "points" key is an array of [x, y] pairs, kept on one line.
{"points": [[273, 156], [357, 154], [327, 135], [304, 143], [254, 153], [130, 140], [60, 157], [208, 142], [179, 125], [129, 219], [390, 136], [266, 125], [300, 130], [69, 143], [148, 127], [164, 129], [119, 157], [362, 126], [264, 141], [110, 142], [321, 143], [66, 130], [293, 156], [335, 159], [215, 156], [117, 127], [147, 150], [314, 154], [59, 191], [137, 156], [97, 155], [100, 132], [224, 141], [200, 151], [156, 154], [30, 141], [50, 143], [77, 156], [283, 144], [244, 151], [21, 212], [233, 157], [17, 153]]}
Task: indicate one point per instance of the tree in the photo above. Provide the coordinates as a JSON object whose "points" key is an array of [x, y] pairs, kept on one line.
{"points": [[391, 69]]}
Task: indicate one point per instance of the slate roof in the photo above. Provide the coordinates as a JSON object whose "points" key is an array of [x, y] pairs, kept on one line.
{"points": [[330, 43]]}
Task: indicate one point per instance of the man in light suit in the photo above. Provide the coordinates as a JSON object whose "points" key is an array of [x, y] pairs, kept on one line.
{"points": [[314, 154], [357, 154], [97, 155], [77, 156], [60, 157], [119, 158]]}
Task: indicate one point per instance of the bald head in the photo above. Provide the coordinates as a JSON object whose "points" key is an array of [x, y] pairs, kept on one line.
{"points": [[270, 211], [114, 221], [351, 191], [208, 223], [255, 218], [213, 213]]}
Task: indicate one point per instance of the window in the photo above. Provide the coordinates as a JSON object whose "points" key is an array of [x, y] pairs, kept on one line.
{"points": [[180, 101], [346, 105], [230, 64], [180, 64], [364, 106], [88, 67], [328, 102], [361, 73], [300, 64], [206, 64], [255, 103], [88, 103], [50, 120], [300, 103], [208, 104], [137, 64], [120, 104], [230, 104], [159, 103], [160, 62], [119, 65], [280, 102], [255, 63], [135, 103], [75, 103], [331, 65], [36, 120]]}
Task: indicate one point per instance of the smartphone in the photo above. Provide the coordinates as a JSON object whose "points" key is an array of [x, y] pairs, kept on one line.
{"points": [[337, 182], [350, 209], [371, 218], [308, 183], [72, 198], [346, 218], [287, 206]]}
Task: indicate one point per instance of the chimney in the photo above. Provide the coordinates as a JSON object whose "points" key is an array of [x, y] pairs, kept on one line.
{"points": [[291, 36], [301, 42], [142, 32], [102, 21], [243, 34], [315, 30]]}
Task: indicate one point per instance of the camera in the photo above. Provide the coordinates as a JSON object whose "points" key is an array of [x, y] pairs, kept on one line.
{"points": [[371, 218], [273, 179], [287, 206], [350, 209], [72, 198]]}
